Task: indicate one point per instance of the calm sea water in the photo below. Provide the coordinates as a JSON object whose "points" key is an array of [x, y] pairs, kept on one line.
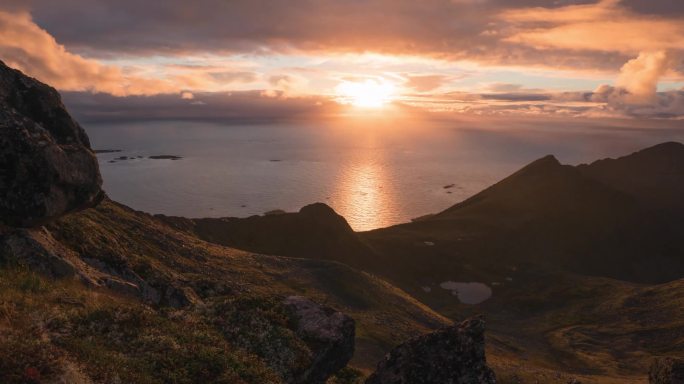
{"points": [[373, 172]]}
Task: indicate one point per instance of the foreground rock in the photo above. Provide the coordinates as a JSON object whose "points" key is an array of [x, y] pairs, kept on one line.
{"points": [[46, 165], [666, 371], [453, 355], [329, 334]]}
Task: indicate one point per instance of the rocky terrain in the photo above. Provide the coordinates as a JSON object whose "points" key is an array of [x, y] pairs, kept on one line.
{"points": [[582, 265], [111, 295], [452, 355]]}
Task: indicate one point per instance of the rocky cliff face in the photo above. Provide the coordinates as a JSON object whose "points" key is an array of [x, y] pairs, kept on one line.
{"points": [[454, 355], [46, 165]]}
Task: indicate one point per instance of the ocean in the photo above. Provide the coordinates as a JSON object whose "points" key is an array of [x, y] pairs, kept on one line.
{"points": [[374, 172]]}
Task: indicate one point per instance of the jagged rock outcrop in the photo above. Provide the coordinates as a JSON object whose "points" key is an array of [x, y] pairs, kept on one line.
{"points": [[47, 170], [329, 334], [46, 165], [666, 370], [453, 355]]}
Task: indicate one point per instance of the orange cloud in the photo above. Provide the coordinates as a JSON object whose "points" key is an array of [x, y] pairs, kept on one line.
{"points": [[425, 83], [26, 46], [604, 26], [607, 27]]}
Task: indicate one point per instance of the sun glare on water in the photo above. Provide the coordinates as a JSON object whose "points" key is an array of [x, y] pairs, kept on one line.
{"points": [[366, 94]]}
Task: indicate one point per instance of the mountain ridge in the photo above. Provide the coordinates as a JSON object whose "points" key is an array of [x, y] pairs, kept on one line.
{"points": [[654, 175]]}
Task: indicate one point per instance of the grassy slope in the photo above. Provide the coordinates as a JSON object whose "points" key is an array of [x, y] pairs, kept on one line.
{"points": [[545, 326], [112, 233], [60, 329], [599, 330]]}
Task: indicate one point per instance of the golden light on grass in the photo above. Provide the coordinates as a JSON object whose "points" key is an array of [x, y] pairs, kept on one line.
{"points": [[366, 94]]}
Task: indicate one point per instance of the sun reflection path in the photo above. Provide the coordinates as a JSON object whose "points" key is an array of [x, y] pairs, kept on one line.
{"points": [[366, 197]]}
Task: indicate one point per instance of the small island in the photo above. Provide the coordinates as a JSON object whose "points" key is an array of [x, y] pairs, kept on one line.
{"points": [[165, 157], [99, 151]]}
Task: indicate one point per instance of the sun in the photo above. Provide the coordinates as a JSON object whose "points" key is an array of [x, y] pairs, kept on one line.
{"points": [[367, 94]]}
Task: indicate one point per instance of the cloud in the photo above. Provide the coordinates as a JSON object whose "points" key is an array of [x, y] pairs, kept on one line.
{"points": [[605, 26], [640, 76], [518, 96], [655, 7], [618, 101], [635, 92], [426, 83], [606, 101], [206, 79], [31, 49], [279, 51], [456, 30], [613, 26], [288, 84], [224, 107], [503, 87]]}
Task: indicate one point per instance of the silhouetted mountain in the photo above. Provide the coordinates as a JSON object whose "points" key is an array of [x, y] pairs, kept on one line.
{"points": [[544, 190], [555, 216], [589, 219], [315, 232], [654, 176]]}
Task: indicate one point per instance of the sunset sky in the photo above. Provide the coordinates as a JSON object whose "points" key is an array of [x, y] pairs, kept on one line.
{"points": [[258, 59]]}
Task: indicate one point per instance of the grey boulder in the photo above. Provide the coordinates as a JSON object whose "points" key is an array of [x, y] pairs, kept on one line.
{"points": [[329, 334], [47, 168], [453, 355]]}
